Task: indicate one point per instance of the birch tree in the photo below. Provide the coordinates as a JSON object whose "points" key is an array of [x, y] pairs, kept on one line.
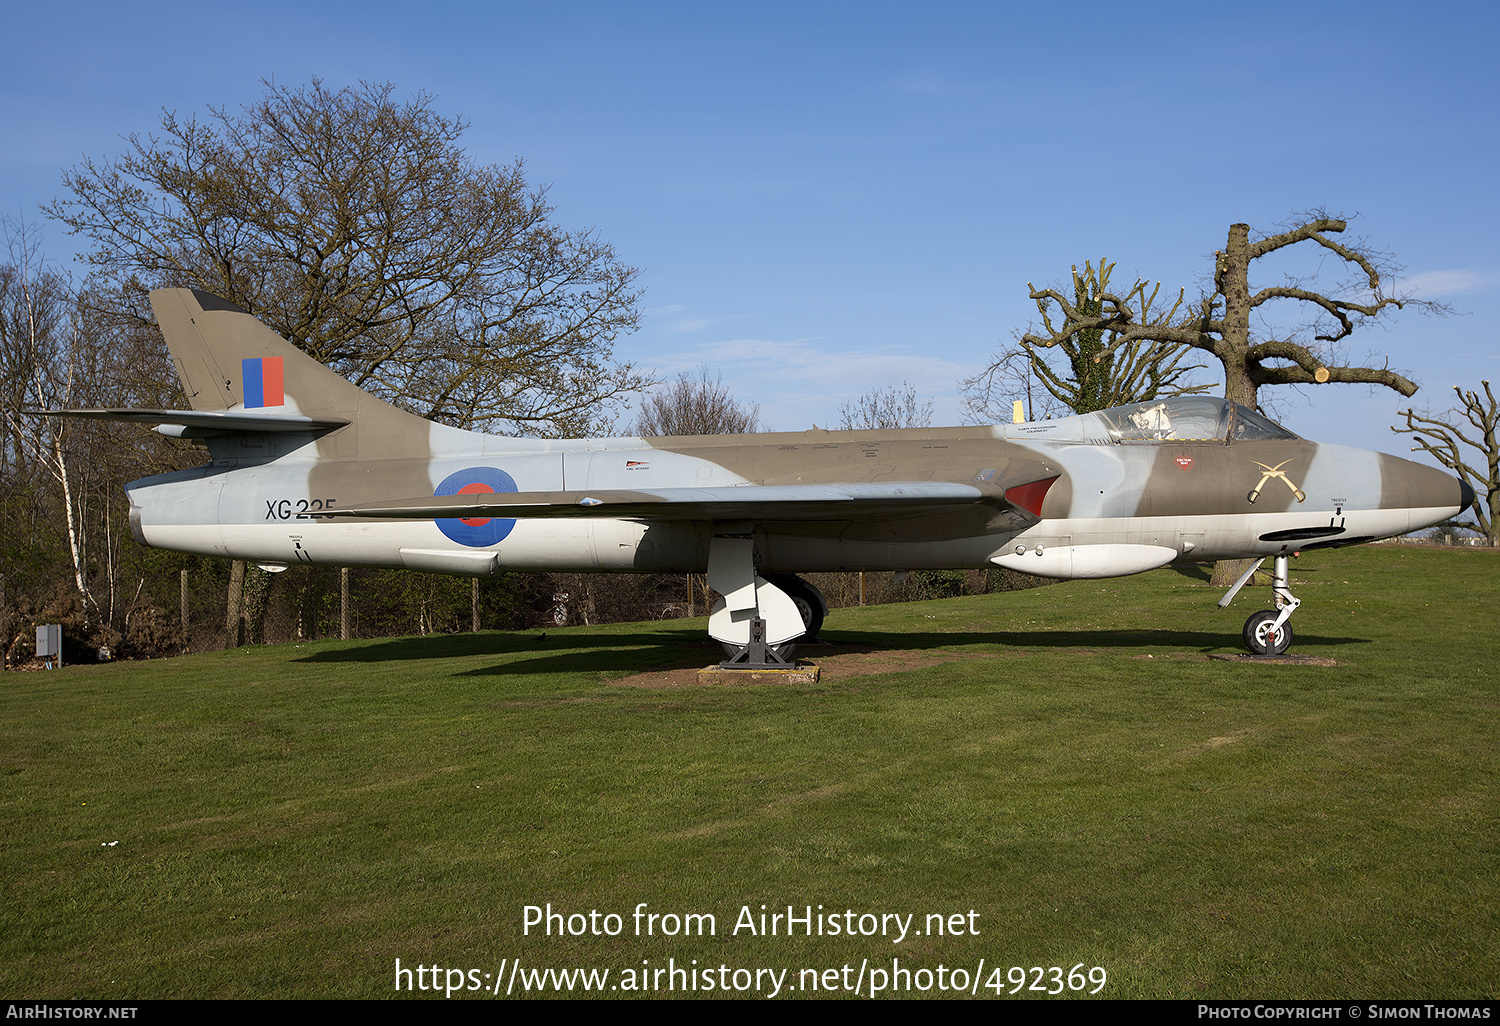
{"points": [[38, 346]]}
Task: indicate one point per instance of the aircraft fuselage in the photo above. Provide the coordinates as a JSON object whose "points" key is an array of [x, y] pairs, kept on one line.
{"points": [[1113, 508]]}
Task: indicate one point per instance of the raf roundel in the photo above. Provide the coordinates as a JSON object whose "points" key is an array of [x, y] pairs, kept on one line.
{"points": [[476, 532]]}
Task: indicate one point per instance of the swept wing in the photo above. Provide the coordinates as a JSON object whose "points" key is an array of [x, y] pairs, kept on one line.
{"points": [[830, 502]]}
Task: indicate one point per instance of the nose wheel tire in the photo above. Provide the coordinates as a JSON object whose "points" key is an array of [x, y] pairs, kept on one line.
{"points": [[1262, 637]]}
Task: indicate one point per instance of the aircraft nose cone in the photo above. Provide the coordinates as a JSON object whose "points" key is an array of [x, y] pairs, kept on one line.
{"points": [[1411, 485]]}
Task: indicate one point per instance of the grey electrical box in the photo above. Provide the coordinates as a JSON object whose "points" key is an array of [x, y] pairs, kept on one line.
{"points": [[49, 640]]}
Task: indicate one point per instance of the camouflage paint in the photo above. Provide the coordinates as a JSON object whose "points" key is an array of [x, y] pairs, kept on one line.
{"points": [[1109, 505]]}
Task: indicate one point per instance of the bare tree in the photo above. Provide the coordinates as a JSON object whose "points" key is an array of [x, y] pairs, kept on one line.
{"points": [[1011, 377], [1221, 323], [357, 227], [694, 404], [1096, 370], [39, 336], [895, 406], [63, 516], [1444, 439]]}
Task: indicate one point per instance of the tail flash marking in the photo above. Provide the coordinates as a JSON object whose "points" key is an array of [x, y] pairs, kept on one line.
{"points": [[263, 382]]}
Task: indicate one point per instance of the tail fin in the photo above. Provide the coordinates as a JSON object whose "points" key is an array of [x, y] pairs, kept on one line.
{"points": [[241, 378], [228, 360]]}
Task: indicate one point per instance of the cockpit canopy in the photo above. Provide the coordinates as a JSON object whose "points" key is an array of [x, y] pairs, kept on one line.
{"points": [[1190, 418]]}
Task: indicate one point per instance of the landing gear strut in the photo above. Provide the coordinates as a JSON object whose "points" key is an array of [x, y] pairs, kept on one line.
{"points": [[1268, 632]]}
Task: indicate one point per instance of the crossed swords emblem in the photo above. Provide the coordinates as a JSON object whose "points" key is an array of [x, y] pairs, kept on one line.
{"points": [[1271, 472]]}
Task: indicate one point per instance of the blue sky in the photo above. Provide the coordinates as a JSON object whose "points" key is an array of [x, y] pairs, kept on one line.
{"points": [[830, 198]]}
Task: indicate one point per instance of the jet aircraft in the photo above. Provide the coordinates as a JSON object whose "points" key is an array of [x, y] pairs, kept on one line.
{"points": [[307, 468]]}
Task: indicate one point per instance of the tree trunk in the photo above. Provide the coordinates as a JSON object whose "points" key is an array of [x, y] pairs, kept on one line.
{"points": [[1232, 276], [75, 548], [235, 600], [1227, 571], [257, 594]]}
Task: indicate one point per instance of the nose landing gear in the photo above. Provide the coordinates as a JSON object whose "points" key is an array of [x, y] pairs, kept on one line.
{"points": [[1268, 632]]}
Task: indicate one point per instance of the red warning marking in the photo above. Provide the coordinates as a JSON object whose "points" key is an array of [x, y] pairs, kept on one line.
{"points": [[1185, 462], [477, 488], [1029, 496]]}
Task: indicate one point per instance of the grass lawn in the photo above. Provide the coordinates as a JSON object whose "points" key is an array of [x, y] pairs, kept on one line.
{"points": [[1065, 763]]}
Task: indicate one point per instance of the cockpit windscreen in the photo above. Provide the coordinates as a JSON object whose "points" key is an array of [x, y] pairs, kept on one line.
{"points": [[1192, 418]]}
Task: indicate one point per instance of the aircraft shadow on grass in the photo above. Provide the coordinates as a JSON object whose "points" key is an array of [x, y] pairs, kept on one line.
{"points": [[564, 652]]}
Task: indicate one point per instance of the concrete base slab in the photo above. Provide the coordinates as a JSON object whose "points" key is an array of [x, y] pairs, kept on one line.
{"points": [[802, 673]]}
